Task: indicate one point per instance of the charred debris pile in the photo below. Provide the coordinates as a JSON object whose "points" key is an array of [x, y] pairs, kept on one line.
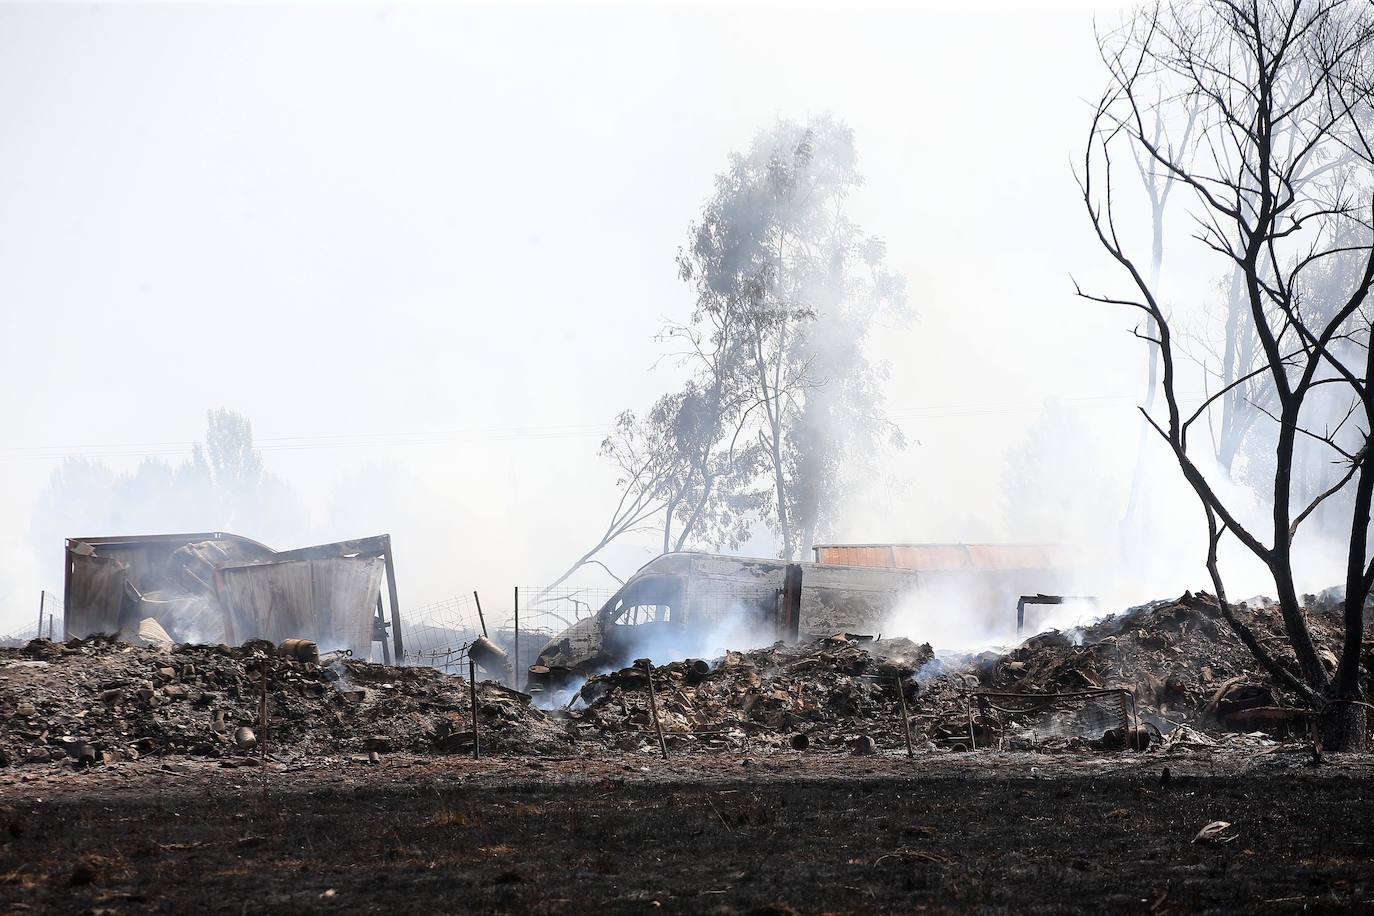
{"points": [[1179, 659], [97, 700], [838, 692], [1179, 665], [1180, 674]]}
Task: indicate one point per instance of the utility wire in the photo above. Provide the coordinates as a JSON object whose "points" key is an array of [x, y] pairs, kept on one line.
{"points": [[503, 434]]}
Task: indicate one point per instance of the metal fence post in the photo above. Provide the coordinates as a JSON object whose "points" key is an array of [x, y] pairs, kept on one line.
{"points": [[517, 638], [480, 619]]}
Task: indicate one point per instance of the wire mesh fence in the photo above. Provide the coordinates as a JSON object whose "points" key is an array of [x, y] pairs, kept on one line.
{"points": [[50, 623], [519, 623], [547, 612], [438, 635]]}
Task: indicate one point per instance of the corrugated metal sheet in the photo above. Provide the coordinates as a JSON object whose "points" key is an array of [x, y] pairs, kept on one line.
{"points": [[931, 557], [96, 595], [859, 556], [330, 600], [946, 557]]}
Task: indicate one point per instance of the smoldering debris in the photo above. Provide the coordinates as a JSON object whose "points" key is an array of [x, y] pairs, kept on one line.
{"points": [[1179, 659], [822, 695], [1167, 675], [124, 702]]}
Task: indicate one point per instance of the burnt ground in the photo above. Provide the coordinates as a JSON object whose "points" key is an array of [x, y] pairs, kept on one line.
{"points": [[946, 832]]}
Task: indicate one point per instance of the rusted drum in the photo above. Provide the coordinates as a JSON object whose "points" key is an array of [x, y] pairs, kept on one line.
{"points": [[302, 650]]}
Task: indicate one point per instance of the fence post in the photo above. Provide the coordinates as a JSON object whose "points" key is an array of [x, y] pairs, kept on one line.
{"points": [[42, 602], [517, 638], [653, 706], [906, 719], [472, 690]]}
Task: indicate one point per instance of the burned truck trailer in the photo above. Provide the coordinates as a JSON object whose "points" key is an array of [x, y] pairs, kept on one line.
{"points": [[683, 604]]}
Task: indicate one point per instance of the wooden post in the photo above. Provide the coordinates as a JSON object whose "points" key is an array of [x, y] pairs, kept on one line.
{"points": [[480, 619], [391, 593], [906, 720], [262, 713], [516, 672], [972, 739], [653, 707], [472, 689]]}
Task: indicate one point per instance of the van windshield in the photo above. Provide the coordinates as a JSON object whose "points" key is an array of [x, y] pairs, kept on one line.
{"points": [[652, 599]]}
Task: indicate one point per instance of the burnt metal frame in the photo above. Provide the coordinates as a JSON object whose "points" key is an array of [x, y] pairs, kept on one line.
{"points": [[1044, 599], [378, 545], [791, 602]]}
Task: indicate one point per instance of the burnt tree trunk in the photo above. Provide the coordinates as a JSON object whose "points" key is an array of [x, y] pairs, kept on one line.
{"points": [[1345, 724], [1345, 717]]}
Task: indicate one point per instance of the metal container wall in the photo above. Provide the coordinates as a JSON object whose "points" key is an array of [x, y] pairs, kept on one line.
{"points": [[330, 600]]}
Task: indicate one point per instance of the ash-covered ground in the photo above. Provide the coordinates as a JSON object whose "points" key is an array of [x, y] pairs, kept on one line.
{"points": [[143, 779]]}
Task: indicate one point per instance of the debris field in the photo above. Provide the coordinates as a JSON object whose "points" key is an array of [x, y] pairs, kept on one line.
{"points": [[95, 701]]}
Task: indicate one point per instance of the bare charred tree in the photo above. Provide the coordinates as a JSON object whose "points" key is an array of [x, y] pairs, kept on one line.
{"points": [[1281, 176]]}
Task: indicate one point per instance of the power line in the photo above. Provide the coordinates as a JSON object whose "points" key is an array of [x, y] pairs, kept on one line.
{"points": [[502, 434]]}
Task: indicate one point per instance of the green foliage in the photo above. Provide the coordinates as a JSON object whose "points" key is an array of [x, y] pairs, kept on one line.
{"points": [[789, 289]]}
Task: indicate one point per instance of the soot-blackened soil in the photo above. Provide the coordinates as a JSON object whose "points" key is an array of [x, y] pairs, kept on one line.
{"points": [[889, 835]]}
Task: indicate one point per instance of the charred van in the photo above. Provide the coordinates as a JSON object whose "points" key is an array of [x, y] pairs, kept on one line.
{"points": [[684, 604]]}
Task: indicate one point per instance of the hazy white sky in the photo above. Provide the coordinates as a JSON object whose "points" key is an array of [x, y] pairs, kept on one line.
{"points": [[425, 249]]}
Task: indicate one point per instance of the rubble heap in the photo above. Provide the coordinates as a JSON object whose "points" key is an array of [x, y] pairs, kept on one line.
{"points": [[836, 692], [99, 700], [1180, 660]]}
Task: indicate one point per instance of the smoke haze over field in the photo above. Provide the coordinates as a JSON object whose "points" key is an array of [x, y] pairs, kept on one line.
{"points": [[425, 250]]}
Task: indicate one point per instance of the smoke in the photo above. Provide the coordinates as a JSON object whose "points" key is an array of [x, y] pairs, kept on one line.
{"points": [[736, 628], [366, 441], [955, 615]]}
